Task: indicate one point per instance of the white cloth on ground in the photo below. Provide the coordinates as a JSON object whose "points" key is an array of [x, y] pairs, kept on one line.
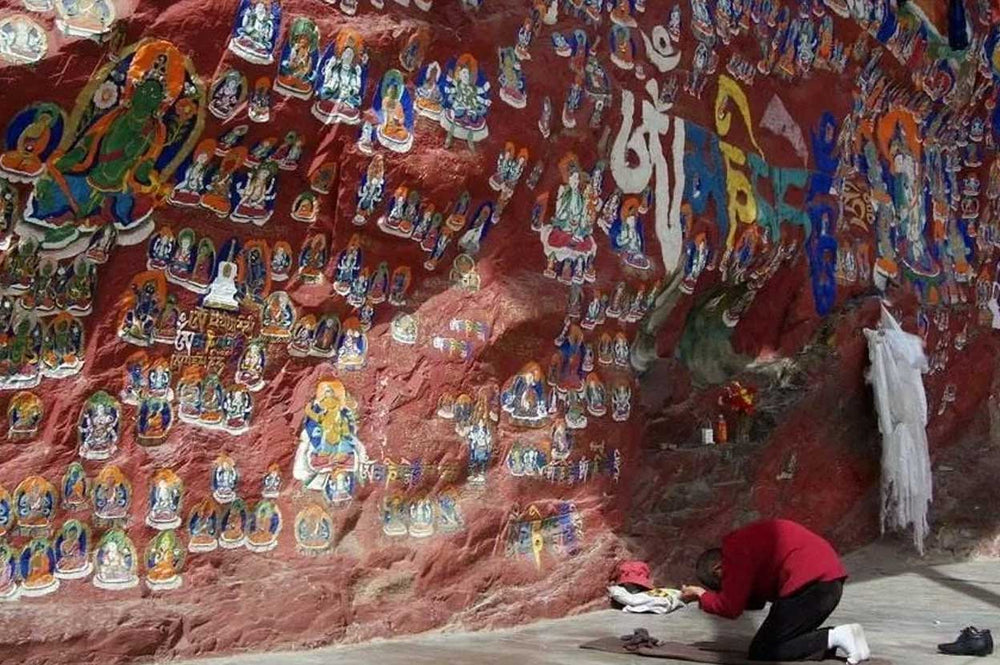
{"points": [[654, 601]]}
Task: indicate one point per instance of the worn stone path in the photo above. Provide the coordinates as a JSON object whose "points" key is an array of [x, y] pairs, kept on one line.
{"points": [[906, 606]]}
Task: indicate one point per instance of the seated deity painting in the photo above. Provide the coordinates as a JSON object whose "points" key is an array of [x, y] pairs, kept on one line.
{"points": [[393, 106], [202, 526], [465, 99], [115, 562], [85, 18], [22, 40], [313, 530], [340, 81], [254, 193], [112, 495], [31, 138], [513, 88], [164, 560], [255, 34], [232, 525], [263, 527], [75, 488], [299, 56], [24, 415], [35, 502], [165, 494], [133, 125], [37, 567], [428, 91], [568, 238], [228, 94], [329, 438], [20, 356], [72, 551], [99, 427]]}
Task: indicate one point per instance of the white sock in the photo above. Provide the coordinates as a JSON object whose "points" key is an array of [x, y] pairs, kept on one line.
{"points": [[850, 639]]}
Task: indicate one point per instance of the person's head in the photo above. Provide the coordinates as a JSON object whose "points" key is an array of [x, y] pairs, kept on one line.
{"points": [[709, 569]]}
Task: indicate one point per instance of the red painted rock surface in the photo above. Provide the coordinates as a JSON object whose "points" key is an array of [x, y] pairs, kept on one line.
{"points": [[754, 165]]}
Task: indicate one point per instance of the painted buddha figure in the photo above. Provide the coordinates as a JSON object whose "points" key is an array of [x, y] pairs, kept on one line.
{"points": [[35, 501], [215, 196], [393, 132], [296, 69], [568, 238], [164, 500], [621, 400], [202, 527], [341, 80], [524, 397], [109, 173], [238, 407], [24, 415], [264, 526], [75, 487], [98, 428], [112, 494], [395, 515], [353, 349], [325, 339], [226, 96], [71, 551], [212, 400], [187, 192], [428, 92], [19, 266], [348, 267], [256, 31], [224, 479], [115, 562], [38, 569], [271, 484], [512, 85], [250, 372], [313, 529], [277, 317], [313, 258], [24, 160], [370, 190], [233, 524], [448, 517], [256, 195], [165, 330], [466, 100], [163, 561], [328, 440]]}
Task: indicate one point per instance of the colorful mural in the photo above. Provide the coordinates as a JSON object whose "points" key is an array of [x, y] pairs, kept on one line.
{"points": [[397, 281]]}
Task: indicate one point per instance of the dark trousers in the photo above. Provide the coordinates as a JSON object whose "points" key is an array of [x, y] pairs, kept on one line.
{"points": [[792, 630]]}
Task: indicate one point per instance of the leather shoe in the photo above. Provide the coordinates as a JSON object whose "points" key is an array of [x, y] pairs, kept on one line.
{"points": [[971, 642]]}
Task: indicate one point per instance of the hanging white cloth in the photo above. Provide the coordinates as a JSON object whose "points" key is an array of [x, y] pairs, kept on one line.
{"points": [[897, 363]]}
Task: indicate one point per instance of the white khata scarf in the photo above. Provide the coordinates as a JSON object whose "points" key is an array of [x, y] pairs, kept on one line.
{"points": [[897, 362]]}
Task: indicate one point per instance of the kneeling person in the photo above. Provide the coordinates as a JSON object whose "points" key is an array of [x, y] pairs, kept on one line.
{"points": [[798, 572]]}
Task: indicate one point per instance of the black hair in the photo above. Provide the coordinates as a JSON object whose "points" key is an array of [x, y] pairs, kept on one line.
{"points": [[706, 569]]}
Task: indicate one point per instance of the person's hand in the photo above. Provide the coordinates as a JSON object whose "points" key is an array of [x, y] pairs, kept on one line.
{"points": [[690, 594]]}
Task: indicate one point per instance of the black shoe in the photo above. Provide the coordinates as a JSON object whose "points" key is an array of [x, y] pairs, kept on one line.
{"points": [[971, 642]]}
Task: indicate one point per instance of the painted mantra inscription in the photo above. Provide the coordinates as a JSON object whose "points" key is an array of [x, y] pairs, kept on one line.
{"points": [[209, 338]]}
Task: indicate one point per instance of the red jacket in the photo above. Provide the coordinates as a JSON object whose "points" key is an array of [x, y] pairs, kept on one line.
{"points": [[769, 560]]}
